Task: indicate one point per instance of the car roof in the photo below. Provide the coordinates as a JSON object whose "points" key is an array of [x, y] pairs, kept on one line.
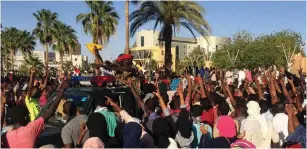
{"points": [[98, 89]]}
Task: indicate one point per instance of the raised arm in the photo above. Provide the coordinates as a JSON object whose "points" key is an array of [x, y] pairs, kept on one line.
{"points": [[292, 121], [293, 88], [259, 88], [278, 90], [46, 79], [302, 79], [162, 104], [180, 93], [3, 102], [50, 111], [98, 59], [272, 89], [30, 82], [202, 88], [232, 100], [284, 89]]}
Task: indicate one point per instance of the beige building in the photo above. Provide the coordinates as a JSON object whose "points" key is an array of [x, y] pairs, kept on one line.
{"points": [[147, 46], [19, 58]]}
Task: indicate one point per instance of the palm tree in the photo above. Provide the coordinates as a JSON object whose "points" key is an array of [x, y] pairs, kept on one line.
{"points": [[65, 40], [127, 23], [15, 40], [101, 22], [27, 42], [170, 15], [10, 39], [30, 62], [45, 28]]}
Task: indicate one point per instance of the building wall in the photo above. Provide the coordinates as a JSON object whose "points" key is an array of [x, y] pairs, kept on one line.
{"points": [[185, 45], [150, 38], [19, 59], [157, 54]]}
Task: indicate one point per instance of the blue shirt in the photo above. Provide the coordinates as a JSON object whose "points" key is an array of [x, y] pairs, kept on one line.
{"points": [[299, 136]]}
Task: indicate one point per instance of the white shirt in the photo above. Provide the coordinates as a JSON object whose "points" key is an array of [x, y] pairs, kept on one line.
{"points": [[213, 77], [241, 75], [268, 116], [229, 75], [280, 123], [254, 135]]}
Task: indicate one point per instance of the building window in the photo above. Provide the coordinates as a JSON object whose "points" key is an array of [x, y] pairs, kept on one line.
{"points": [[183, 46], [177, 52], [162, 52], [217, 47], [142, 41], [76, 59]]}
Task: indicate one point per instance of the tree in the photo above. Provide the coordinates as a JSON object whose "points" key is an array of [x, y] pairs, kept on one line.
{"points": [[261, 51], [127, 23], [15, 40], [44, 30], [170, 15], [10, 41], [198, 55], [101, 22], [64, 40], [31, 62]]}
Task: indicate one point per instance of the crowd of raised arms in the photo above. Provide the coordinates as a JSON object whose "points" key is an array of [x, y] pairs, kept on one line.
{"points": [[202, 108]]}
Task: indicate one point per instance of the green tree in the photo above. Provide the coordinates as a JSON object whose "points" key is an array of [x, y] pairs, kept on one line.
{"points": [[101, 22], [170, 15], [15, 40], [31, 62], [44, 30], [261, 51], [64, 40]]}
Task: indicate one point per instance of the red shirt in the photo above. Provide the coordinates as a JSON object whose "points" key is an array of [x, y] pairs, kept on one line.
{"points": [[208, 116]]}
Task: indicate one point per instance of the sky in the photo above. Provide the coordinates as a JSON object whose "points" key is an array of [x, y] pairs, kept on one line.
{"points": [[225, 19]]}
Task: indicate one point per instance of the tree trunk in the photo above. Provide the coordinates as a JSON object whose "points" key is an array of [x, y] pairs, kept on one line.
{"points": [[61, 62], [168, 32], [12, 60], [6, 64], [47, 55], [127, 26]]}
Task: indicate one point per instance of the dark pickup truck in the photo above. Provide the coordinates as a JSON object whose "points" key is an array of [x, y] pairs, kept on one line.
{"points": [[85, 98]]}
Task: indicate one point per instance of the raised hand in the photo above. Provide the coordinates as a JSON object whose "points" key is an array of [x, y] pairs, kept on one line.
{"points": [[180, 89], [291, 111], [110, 101]]}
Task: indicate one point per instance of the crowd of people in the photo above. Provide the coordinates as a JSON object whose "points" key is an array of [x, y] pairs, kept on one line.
{"points": [[201, 108]]}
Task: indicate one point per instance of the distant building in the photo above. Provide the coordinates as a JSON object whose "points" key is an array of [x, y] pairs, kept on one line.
{"points": [[147, 41], [19, 59]]}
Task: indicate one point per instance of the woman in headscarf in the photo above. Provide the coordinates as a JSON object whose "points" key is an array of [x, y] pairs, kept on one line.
{"points": [[132, 133], [257, 129], [93, 142], [97, 126], [185, 135], [161, 133]]}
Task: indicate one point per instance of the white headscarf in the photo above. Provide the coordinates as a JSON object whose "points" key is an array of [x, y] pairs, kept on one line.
{"points": [[253, 110]]}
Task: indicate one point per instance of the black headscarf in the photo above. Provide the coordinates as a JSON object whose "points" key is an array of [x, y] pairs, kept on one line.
{"points": [[118, 133], [132, 133], [161, 132], [184, 125], [97, 126]]}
